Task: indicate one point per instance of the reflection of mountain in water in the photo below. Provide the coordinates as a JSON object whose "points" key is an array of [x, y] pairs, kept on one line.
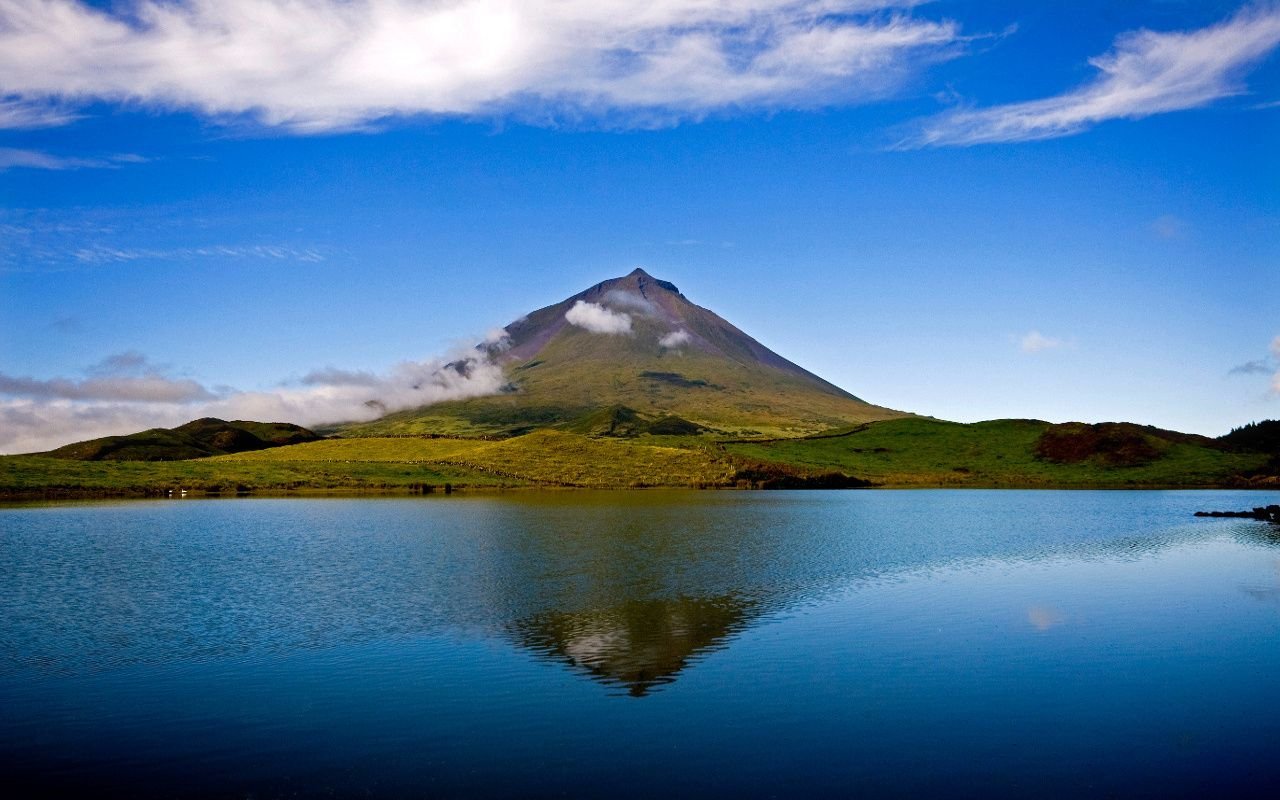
{"points": [[639, 644], [630, 588]]}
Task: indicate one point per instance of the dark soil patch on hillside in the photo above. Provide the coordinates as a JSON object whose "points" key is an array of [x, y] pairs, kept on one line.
{"points": [[1111, 443], [676, 379]]}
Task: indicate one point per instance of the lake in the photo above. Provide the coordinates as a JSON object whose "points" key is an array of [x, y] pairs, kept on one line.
{"points": [[643, 644]]}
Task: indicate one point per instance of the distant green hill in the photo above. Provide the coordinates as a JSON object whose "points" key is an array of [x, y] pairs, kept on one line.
{"points": [[196, 439], [1021, 453]]}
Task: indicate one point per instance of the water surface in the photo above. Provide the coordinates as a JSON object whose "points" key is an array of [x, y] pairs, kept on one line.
{"points": [[964, 643]]}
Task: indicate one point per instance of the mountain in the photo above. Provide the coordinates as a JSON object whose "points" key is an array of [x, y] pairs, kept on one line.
{"points": [[633, 355], [196, 439]]}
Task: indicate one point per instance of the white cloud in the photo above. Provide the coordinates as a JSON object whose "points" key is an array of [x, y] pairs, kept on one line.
{"points": [[634, 301], [316, 65], [677, 338], [1275, 347], [1035, 342], [126, 393], [1145, 73], [357, 396], [11, 158], [598, 319]]}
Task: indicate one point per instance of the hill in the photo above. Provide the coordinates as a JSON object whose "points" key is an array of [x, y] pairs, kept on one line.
{"points": [[910, 452], [1256, 437], [636, 346], [1019, 453], [196, 439]]}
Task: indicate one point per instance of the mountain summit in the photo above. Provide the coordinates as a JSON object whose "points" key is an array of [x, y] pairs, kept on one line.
{"points": [[631, 352]]}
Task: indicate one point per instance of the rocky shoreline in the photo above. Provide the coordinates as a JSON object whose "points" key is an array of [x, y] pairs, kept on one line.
{"points": [[1263, 514]]}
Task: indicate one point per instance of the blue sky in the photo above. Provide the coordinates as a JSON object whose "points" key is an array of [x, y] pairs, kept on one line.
{"points": [[974, 210]]}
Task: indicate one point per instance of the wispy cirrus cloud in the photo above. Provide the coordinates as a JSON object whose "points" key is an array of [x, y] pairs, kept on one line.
{"points": [[103, 254], [35, 239], [1145, 73], [17, 113], [12, 157], [319, 65]]}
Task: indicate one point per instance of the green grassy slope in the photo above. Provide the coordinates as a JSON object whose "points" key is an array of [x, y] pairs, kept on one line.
{"points": [[910, 452], [39, 476], [196, 439], [588, 373], [585, 370], [925, 452], [544, 457]]}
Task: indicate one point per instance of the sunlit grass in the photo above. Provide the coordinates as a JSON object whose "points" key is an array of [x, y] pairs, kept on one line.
{"points": [[548, 457], [923, 452], [908, 452]]}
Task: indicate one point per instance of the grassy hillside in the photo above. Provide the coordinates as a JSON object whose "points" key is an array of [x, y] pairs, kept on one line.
{"points": [[40, 476], [586, 373], [544, 457], [196, 439], [925, 452], [584, 370], [896, 453]]}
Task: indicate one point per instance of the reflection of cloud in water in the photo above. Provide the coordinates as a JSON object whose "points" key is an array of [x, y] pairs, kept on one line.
{"points": [[638, 644], [1042, 618]]}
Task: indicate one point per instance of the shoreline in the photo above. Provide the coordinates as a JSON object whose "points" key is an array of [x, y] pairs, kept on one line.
{"points": [[54, 495]]}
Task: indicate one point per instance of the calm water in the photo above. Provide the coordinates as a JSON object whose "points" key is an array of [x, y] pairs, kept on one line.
{"points": [[643, 644]]}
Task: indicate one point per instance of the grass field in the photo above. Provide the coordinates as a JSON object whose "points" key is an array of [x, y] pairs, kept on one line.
{"points": [[35, 476], [542, 457], [911, 452], [925, 452]]}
